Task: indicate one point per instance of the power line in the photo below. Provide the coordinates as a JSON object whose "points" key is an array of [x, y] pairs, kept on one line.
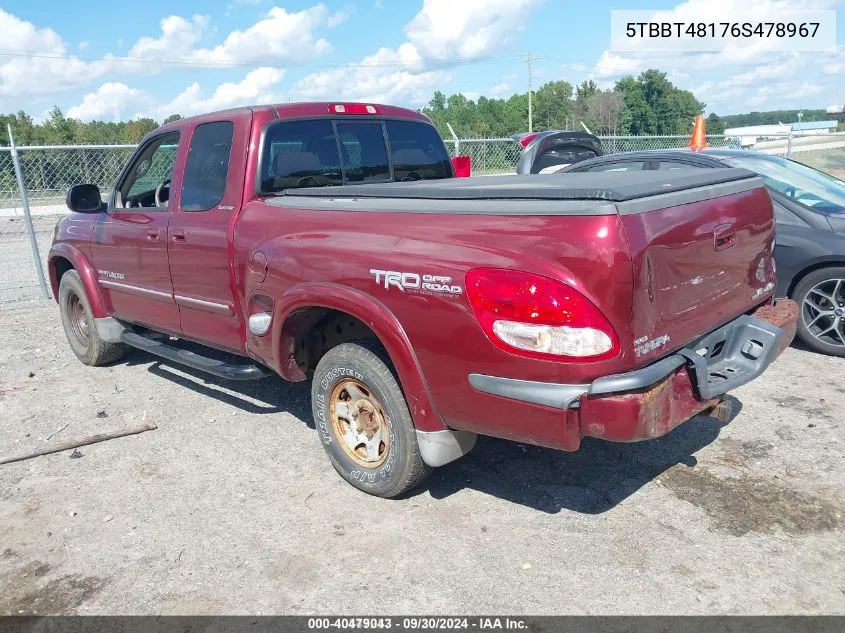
{"points": [[425, 65]]}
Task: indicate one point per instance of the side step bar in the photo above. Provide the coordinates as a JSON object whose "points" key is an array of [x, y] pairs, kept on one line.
{"points": [[185, 357]]}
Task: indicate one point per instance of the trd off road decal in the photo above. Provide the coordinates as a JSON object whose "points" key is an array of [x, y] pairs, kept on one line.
{"points": [[111, 274], [414, 283]]}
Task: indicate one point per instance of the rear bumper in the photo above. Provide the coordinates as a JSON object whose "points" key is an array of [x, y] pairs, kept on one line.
{"points": [[651, 401]]}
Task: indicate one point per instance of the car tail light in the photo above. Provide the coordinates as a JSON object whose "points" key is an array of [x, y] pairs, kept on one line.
{"points": [[525, 140], [538, 316], [462, 166], [353, 108]]}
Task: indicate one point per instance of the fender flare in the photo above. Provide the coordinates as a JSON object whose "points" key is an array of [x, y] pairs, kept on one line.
{"points": [[379, 319], [87, 273]]}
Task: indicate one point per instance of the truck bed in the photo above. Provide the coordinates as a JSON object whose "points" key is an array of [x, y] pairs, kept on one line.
{"points": [[597, 193]]}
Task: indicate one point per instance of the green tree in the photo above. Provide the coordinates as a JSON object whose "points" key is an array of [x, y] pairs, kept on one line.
{"points": [[585, 90], [59, 130], [639, 117], [552, 105], [138, 129], [715, 125], [655, 106], [171, 118], [438, 101]]}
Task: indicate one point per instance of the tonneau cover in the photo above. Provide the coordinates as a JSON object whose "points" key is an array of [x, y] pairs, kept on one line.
{"points": [[607, 186]]}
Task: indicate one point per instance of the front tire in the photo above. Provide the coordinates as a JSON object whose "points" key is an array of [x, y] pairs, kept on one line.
{"points": [[78, 322], [363, 421], [821, 297]]}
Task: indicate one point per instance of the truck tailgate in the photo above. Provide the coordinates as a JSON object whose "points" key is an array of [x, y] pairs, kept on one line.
{"points": [[697, 264]]}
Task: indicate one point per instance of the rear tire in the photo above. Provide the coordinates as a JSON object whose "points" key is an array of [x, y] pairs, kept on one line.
{"points": [[78, 321], [821, 299], [363, 420]]}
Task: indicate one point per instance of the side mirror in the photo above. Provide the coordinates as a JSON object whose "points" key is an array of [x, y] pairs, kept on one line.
{"points": [[84, 199], [461, 166]]}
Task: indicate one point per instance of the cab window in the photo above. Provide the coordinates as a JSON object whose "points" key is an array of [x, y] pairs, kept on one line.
{"points": [[207, 166], [147, 181]]}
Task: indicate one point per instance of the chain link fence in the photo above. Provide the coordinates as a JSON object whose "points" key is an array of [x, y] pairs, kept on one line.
{"points": [[48, 171]]}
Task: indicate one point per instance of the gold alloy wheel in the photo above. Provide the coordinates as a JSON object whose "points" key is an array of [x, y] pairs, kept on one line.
{"points": [[359, 423]]}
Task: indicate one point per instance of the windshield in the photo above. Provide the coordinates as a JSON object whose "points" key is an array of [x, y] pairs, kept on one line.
{"points": [[810, 187]]}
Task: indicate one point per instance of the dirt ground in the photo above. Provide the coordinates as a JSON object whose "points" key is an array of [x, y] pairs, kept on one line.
{"points": [[231, 505]]}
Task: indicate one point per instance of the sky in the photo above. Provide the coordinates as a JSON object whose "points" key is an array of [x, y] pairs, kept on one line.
{"points": [[155, 58]]}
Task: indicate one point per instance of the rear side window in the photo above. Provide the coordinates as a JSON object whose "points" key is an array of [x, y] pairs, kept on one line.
{"points": [[417, 152], [207, 166], [322, 152], [363, 152], [300, 154]]}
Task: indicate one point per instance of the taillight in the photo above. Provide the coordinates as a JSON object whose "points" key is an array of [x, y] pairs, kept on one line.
{"points": [[525, 140], [462, 166], [538, 316], [353, 108]]}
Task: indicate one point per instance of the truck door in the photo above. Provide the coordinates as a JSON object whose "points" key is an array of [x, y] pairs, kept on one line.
{"points": [[129, 244], [199, 232]]}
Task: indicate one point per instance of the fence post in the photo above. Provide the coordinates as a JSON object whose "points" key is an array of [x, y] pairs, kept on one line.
{"points": [[789, 146], [456, 139], [39, 269]]}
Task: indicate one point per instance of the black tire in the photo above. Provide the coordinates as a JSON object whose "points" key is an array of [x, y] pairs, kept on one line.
{"points": [[78, 322], [809, 335], [363, 368]]}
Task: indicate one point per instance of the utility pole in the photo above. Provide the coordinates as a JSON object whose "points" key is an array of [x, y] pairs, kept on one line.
{"points": [[529, 58]]}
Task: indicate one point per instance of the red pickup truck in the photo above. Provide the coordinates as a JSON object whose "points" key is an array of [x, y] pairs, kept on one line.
{"points": [[332, 242]]}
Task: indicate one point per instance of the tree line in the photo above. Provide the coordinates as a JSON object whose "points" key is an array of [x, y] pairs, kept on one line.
{"points": [[774, 117], [58, 129], [648, 104]]}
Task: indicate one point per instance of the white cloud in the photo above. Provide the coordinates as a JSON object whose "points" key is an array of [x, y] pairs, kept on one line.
{"points": [[499, 89], [338, 17], [177, 39], [445, 29], [51, 71], [257, 87], [110, 102], [278, 36], [83, 45], [388, 76], [611, 65], [117, 101]]}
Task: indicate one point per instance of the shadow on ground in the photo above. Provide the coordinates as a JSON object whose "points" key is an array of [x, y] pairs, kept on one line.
{"points": [[269, 395], [591, 481]]}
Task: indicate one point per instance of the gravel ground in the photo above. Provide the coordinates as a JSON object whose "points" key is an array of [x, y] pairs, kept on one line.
{"points": [[18, 274], [232, 506]]}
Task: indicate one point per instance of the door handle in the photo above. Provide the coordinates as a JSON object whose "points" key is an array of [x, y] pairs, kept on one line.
{"points": [[153, 234], [724, 236], [177, 236]]}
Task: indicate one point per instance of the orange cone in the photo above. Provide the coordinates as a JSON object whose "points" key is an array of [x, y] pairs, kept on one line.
{"points": [[698, 140]]}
